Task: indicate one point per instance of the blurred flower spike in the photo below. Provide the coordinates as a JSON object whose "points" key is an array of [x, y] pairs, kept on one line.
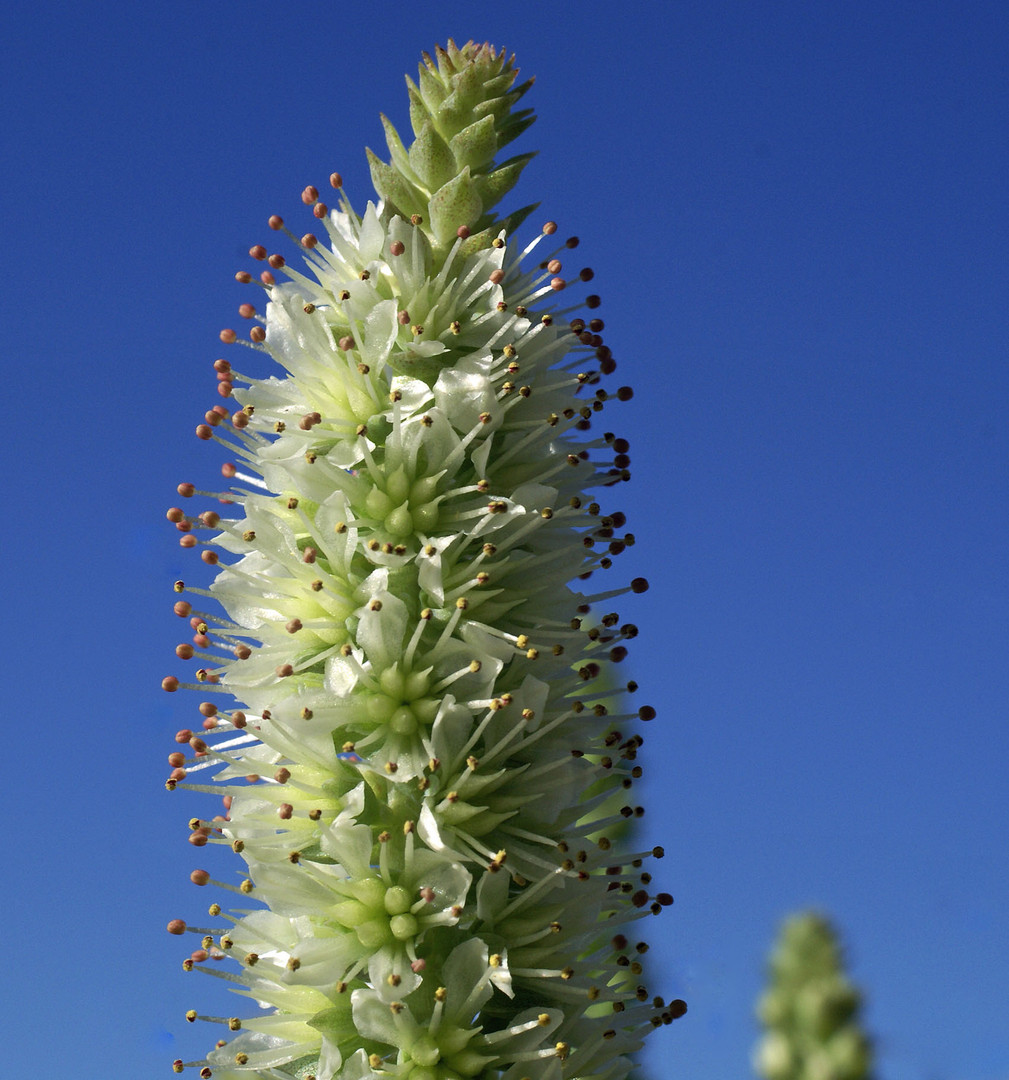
{"points": [[408, 673], [811, 1011]]}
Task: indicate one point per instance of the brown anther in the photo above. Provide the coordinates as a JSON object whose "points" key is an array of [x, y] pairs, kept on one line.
{"points": [[284, 671], [258, 252], [397, 247], [267, 278], [309, 195], [309, 241], [285, 810], [176, 926], [320, 210], [462, 232], [335, 180], [277, 262], [171, 684], [257, 334], [497, 276], [346, 343], [557, 284]]}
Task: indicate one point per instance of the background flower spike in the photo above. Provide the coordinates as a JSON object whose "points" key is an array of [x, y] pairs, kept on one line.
{"points": [[810, 1010]]}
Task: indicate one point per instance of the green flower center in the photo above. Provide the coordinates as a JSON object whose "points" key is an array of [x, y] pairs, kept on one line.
{"points": [[403, 505], [403, 702], [378, 915]]}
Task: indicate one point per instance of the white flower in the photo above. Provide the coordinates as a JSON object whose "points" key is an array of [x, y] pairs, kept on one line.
{"points": [[421, 772]]}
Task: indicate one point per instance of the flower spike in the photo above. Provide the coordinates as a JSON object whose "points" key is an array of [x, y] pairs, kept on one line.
{"points": [[406, 683]]}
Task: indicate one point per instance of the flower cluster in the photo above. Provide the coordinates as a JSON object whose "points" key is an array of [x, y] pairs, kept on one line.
{"points": [[810, 1011], [422, 770]]}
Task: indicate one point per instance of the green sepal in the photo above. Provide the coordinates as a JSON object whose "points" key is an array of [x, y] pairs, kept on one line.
{"points": [[400, 195], [514, 125], [475, 145], [493, 186], [400, 157], [430, 90], [498, 89], [420, 110], [431, 159], [467, 89], [454, 204]]}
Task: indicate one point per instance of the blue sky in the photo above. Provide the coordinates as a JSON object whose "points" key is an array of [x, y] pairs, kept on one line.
{"points": [[797, 218]]}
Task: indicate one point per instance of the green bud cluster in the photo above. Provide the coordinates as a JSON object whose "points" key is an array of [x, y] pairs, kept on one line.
{"points": [[461, 112], [810, 1010]]}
